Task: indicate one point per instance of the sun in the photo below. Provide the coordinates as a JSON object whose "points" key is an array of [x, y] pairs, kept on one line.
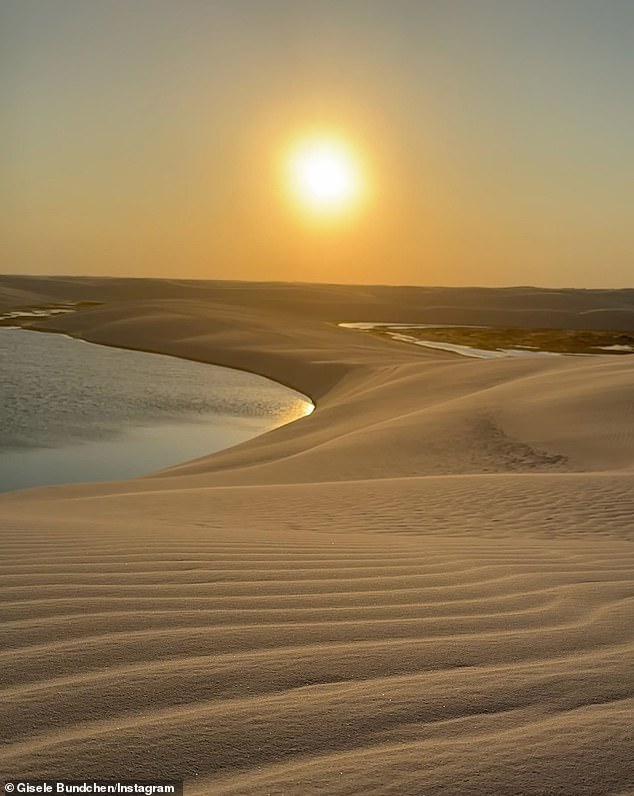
{"points": [[324, 176]]}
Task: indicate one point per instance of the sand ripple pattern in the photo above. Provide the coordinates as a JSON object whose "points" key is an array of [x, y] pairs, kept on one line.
{"points": [[251, 666], [423, 589]]}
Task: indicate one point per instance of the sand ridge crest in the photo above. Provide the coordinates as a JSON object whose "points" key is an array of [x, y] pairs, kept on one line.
{"points": [[425, 587]]}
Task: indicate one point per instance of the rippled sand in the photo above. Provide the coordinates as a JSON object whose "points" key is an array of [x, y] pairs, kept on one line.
{"points": [[425, 587]]}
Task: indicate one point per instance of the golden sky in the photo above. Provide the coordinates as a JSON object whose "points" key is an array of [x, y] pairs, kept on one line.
{"points": [[485, 141]]}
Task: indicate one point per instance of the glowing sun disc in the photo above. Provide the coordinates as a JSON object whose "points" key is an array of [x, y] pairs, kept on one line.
{"points": [[324, 175]]}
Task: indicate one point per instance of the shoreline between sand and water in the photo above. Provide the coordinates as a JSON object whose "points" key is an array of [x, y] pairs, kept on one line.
{"points": [[498, 347], [441, 554], [122, 416]]}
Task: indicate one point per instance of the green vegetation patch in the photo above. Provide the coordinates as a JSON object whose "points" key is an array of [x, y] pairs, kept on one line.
{"points": [[27, 316], [490, 338]]}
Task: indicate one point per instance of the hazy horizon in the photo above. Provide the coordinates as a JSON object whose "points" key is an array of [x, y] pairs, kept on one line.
{"points": [[333, 282], [493, 140]]}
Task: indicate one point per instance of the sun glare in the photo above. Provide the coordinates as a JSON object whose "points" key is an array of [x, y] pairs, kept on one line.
{"points": [[324, 176]]}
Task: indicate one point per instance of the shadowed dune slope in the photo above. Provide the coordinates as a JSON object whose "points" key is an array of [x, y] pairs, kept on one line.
{"points": [[425, 587]]}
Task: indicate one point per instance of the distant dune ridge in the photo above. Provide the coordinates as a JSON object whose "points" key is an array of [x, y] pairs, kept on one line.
{"points": [[425, 587], [512, 306]]}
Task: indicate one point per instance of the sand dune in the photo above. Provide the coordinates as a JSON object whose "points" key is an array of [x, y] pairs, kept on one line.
{"points": [[425, 587]]}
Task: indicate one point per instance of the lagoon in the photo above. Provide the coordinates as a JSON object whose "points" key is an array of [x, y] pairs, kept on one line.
{"points": [[73, 411]]}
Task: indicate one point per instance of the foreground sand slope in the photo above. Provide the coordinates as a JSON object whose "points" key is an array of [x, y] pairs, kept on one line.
{"points": [[423, 588]]}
